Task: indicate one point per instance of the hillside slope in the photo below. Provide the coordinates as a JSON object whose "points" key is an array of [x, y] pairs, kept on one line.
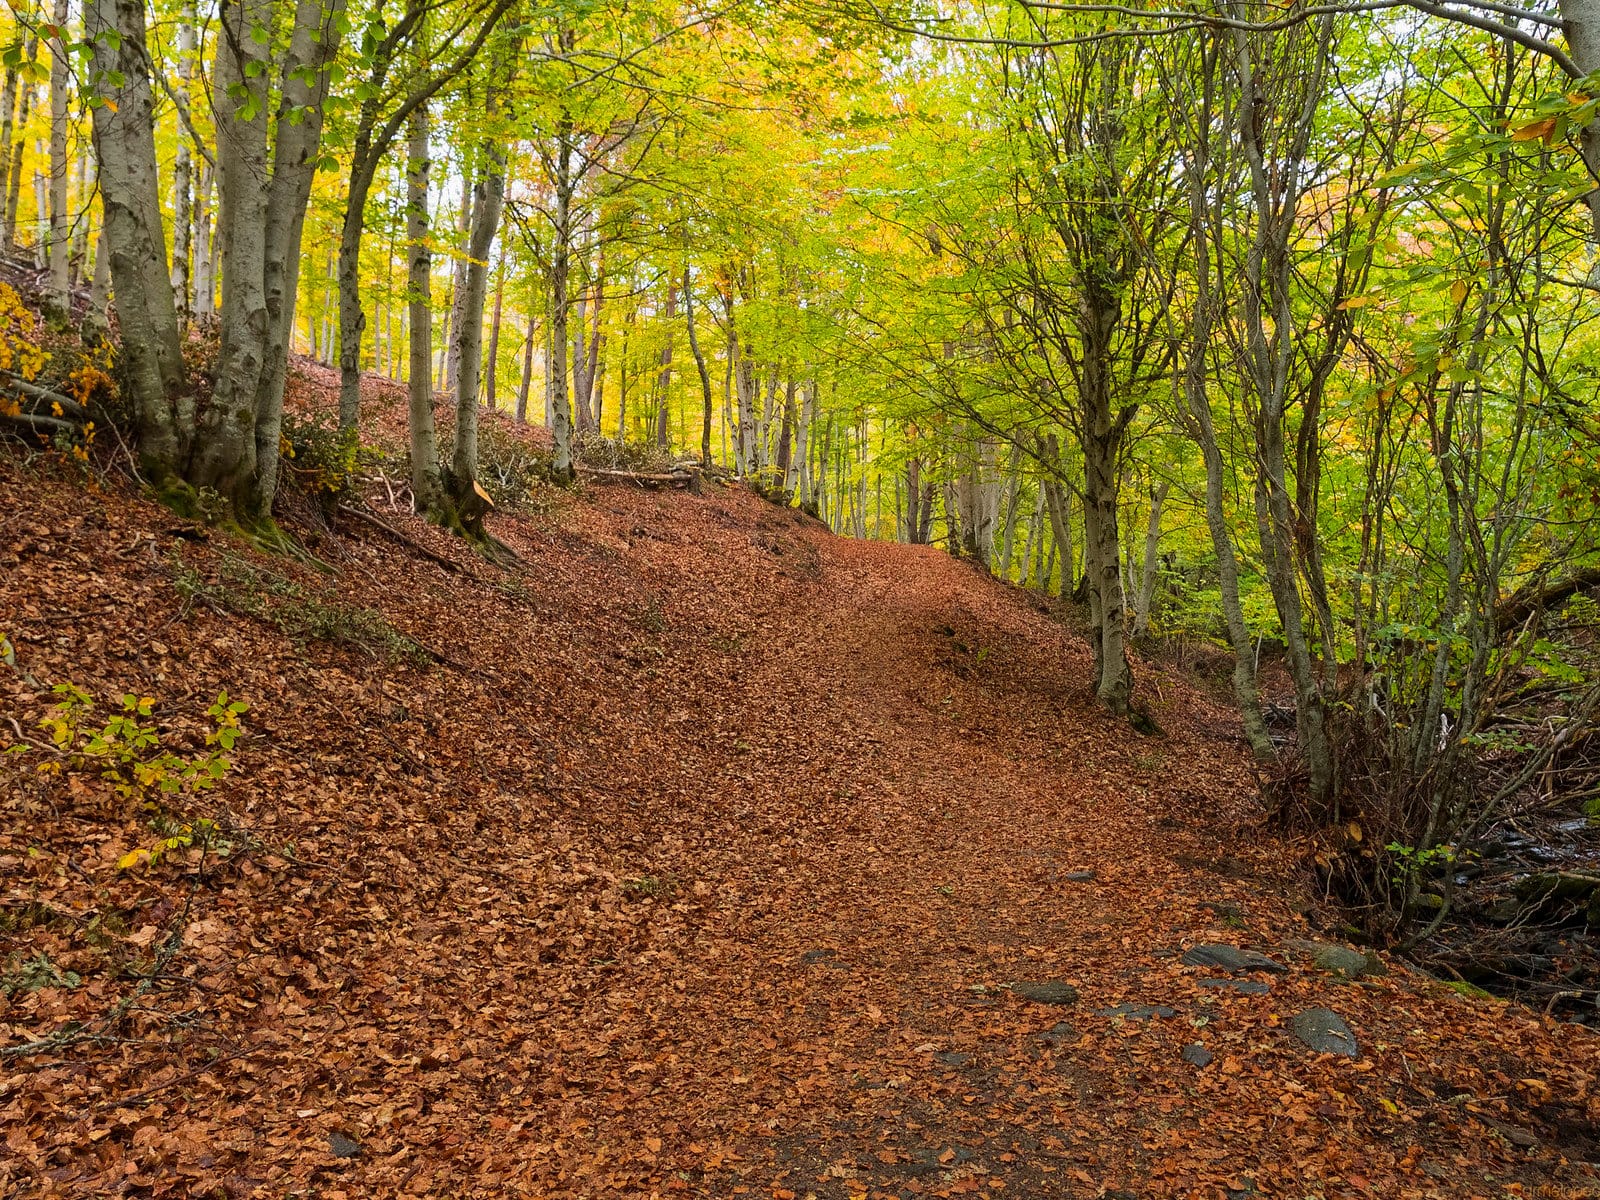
{"points": [[697, 852]]}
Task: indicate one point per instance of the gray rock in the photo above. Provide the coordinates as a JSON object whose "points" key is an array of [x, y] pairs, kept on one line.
{"points": [[1197, 1055], [1139, 1012], [1341, 960], [1230, 958], [1224, 910], [1081, 876], [342, 1146], [953, 1058], [1058, 1033], [1556, 885], [820, 955], [1249, 987], [1324, 1031], [1045, 992]]}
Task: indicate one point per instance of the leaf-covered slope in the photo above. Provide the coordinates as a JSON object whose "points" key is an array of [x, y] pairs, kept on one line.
{"points": [[694, 854]]}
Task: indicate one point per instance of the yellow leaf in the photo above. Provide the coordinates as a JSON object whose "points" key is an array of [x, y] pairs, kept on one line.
{"points": [[1459, 290], [1358, 302], [1389, 1105], [133, 858], [1355, 831]]}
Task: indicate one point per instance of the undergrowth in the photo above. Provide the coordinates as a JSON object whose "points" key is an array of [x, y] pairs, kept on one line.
{"points": [[244, 589]]}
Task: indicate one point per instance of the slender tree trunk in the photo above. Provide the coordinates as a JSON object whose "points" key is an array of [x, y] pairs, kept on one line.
{"points": [[491, 375], [1152, 546], [786, 463], [560, 270], [58, 296], [488, 198], [527, 373], [182, 164], [14, 185], [205, 253], [664, 379], [700, 366], [8, 113], [458, 286], [426, 485]]}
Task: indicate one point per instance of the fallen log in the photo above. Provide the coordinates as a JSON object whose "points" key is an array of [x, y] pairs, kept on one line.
{"points": [[33, 391], [39, 423], [643, 479], [1522, 604]]}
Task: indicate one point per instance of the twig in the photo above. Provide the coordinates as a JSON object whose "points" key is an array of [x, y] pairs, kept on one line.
{"points": [[402, 538]]}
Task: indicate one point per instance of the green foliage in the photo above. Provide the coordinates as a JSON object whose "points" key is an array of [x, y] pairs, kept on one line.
{"points": [[127, 752], [319, 457], [37, 972]]}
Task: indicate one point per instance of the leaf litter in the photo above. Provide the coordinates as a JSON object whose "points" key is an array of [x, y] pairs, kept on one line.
{"points": [[700, 865]]}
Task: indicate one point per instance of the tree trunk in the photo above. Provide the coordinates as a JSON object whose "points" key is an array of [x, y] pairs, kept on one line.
{"points": [[491, 397], [151, 362], [458, 285], [426, 486], [58, 297], [802, 451], [8, 113], [260, 230], [700, 366], [527, 374], [664, 379], [560, 270], [14, 184], [1152, 545], [786, 467], [205, 251], [182, 164], [488, 198]]}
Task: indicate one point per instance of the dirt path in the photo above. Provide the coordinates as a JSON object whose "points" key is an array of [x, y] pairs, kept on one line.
{"points": [[709, 873]]}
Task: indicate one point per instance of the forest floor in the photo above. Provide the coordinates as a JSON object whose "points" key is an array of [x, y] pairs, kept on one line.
{"points": [[696, 852]]}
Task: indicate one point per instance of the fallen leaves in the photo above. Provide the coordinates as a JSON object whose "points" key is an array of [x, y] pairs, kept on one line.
{"points": [[709, 890]]}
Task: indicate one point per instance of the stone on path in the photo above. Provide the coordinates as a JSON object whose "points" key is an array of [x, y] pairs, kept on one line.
{"points": [[1045, 991], [1249, 987], [1324, 1031], [1139, 1012], [1340, 960], [342, 1146], [1081, 876], [1230, 958], [1197, 1055], [1056, 1034]]}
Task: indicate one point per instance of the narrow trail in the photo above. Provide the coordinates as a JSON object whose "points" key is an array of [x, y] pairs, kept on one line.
{"points": [[711, 869]]}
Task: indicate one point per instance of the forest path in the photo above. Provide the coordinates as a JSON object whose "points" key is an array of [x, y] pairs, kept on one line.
{"points": [[708, 863]]}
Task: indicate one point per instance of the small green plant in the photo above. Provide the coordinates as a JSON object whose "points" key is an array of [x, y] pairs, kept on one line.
{"points": [[651, 886], [128, 752], [37, 972], [319, 457], [651, 617]]}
